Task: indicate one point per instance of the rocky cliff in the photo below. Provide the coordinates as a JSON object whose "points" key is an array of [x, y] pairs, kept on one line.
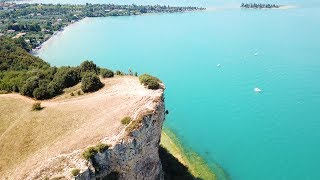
{"points": [[68, 126], [135, 155]]}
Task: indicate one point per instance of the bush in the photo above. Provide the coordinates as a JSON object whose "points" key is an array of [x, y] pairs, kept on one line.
{"points": [[36, 106], [133, 126], [72, 94], [106, 73], [75, 172], [149, 81], [89, 153], [90, 82], [137, 123], [88, 66], [119, 73], [153, 84], [102, 147], [125, 120], [79, 93]]}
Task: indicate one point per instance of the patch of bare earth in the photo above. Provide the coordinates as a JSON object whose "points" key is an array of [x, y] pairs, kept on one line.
{"points": [[66, 123]]}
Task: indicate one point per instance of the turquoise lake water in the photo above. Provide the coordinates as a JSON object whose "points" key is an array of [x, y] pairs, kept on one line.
{"points": [[272, 135]]}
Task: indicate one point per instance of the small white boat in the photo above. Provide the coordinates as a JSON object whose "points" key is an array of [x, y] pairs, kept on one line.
{"points": [[256, 54], [257, 90], [218, 65]]}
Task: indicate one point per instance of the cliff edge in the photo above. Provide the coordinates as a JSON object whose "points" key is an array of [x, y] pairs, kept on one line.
{"points": [[50, 143]]}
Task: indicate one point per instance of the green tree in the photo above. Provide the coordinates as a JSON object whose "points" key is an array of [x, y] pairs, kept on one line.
{"points": [[67, 76], [41, 93], [88, 66], [90, 82], [30, 85]]}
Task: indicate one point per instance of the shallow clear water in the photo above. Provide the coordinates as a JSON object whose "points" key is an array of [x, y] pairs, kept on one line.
{"points": [[214, 110]]}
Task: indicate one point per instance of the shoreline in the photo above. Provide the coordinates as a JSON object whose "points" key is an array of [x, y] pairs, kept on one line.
{"points": [[56, 34], [196, 164], [208, 9]]}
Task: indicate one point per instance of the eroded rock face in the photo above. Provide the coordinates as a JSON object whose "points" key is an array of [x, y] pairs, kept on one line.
{"points": [[135, 156]]}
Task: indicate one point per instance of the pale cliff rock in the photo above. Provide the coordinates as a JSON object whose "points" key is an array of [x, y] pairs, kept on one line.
{"points": [[134, 156]]}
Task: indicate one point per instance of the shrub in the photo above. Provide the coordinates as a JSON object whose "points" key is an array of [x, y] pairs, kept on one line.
{"points": [[153, 84], [75, 172], [72, 94], [102, 147], [125, 120], [79, 93], [106, 73], [88, 66], [90, 82], [136, 74], [138, 121], [36, 106], [133, 126], [149, 81], [89, 153], [119, 73]]}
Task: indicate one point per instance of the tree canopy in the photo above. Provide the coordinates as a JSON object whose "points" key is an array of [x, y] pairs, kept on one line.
{"points": [[31, 76]]}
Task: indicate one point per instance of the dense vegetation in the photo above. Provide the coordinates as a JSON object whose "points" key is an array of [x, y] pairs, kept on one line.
{"points": [[31, 76], [35, 23]]}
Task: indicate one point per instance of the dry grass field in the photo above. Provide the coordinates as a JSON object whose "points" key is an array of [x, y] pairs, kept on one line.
{"points": [[67, 122]]}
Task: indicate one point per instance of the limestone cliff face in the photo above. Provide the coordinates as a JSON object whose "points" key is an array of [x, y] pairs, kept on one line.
{"points": [[135, 155]]}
